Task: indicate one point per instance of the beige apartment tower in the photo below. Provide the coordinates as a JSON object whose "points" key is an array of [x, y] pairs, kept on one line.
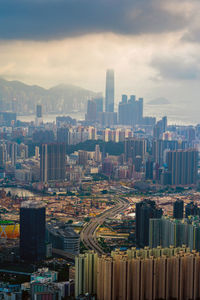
{"points": [[145, 274]]}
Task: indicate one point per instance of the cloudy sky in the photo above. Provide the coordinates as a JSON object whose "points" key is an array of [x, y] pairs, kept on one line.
{"points": [[153, 45]]}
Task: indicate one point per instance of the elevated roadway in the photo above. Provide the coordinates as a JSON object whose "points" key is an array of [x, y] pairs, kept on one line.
{"points": [[88, 234]]}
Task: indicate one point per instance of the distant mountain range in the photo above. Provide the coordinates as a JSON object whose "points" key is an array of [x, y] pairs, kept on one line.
{"points": [[22, 98]]}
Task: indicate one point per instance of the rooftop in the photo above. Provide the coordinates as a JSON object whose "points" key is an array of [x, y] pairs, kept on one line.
{"points": [[32, 204]]}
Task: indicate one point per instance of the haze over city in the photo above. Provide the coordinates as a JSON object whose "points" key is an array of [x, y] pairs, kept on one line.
{"points": [[152, 45]]}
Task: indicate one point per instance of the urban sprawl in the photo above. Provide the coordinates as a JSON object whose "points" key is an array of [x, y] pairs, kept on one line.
{"points": [[103, 208]]}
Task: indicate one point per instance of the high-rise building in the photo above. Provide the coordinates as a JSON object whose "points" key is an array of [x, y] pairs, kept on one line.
{"points": [[37, 152], [52, 162], [130, 112], [145, 210], [107, 167], [23, 151], [86, 273], [107, 119], [134, 147], [110, 91], [39, 111], [149, 169], [7, 118], [165, 232], [191, 209], [3, 155], [32, 231], [43, 136], [140, 110], [124, 98], [13, 154], [178, 207], [91, 115], [160, 128], [150, 274], [92, 133], [63, 135], [14, 105], [82, 157], [123, 111], [97, 155], [99, 104], [182, 165], [38, 119], [160, 148]]}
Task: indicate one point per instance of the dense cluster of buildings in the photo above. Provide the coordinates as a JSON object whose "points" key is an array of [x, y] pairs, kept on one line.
{"points": [[158, 273], [166, 232], [147, 150], [43, 284], [124, 154]]}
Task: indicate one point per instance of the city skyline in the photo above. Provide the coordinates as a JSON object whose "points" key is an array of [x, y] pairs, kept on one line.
{"points": [[21, 92], [153, 59]]}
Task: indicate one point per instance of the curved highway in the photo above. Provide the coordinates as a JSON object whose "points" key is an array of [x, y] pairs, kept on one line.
{"points": [[88, 234]]}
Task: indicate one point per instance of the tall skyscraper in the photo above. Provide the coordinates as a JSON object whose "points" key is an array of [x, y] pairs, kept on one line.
{"points": [[182, 165], [134, 147], [110, 91], [149, 169], [3, 155], [39, 111], [38, 118], [145, 210], [13, 154], [32, 231], [86, 273], [52, 162], [178, 207], [140, 110]]}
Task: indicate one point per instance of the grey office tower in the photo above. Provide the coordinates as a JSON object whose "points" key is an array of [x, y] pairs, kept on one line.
{"points": [[110, 91]]}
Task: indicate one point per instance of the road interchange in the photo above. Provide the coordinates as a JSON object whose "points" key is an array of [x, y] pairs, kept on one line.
{"points": [[88, 234]]}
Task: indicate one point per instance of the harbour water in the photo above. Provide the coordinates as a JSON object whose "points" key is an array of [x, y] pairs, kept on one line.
{"points": [[176, 115], [51, 117], [19, 192]]}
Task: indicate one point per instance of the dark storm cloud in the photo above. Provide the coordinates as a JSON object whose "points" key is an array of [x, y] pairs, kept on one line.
{"points": [[178, 68], [54, 19]]}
